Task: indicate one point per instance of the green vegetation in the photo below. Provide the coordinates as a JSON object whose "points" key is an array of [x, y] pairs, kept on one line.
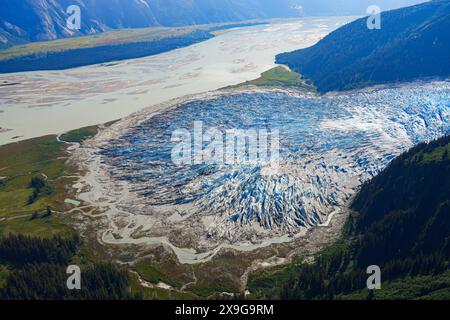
{"points": [[36, 245], [425, 157], [4, 273], [66, 59], [37, 270], [279, 77], [44, 227], [114, 37], [207, 280], [210, 289], [78, 136], [40, 188], [101, 39], [436, 287], [159, 293], [222, 274], [400, 222]]}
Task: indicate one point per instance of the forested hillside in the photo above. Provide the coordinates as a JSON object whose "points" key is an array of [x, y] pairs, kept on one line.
{"points": [[400, 222], [412, 43], [41, 20]]}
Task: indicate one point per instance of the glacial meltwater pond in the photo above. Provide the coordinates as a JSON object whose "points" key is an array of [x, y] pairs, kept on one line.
{"points": [[328, 146]]}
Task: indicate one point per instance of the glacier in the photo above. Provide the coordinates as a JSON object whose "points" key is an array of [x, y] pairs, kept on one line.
{"points": [[329, 146]]}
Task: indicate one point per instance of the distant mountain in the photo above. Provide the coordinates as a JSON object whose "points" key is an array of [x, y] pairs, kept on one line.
{"points": [[413, 43], [401, 223], [37, 20]]}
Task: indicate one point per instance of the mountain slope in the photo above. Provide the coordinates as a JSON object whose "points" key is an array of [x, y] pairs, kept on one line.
{"points": [[401, 222], [413, 43], [37, 20]]}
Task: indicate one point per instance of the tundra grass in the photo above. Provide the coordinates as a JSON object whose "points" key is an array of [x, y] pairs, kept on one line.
{"points": [[279, 77], [3, 275]]}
